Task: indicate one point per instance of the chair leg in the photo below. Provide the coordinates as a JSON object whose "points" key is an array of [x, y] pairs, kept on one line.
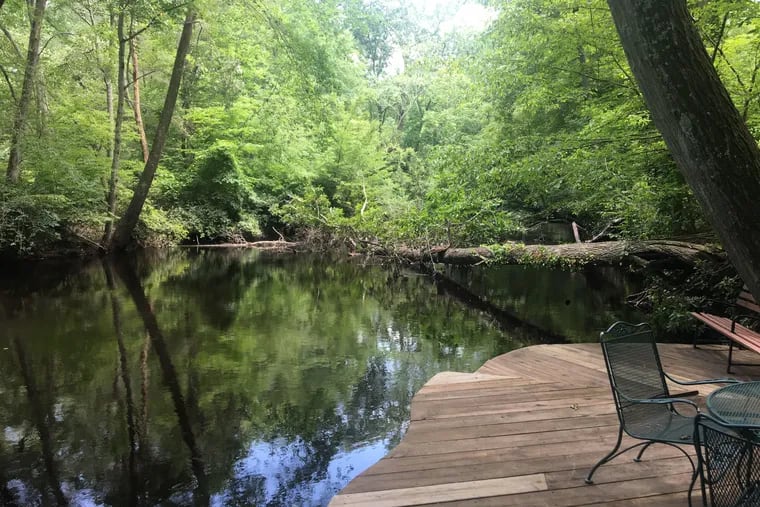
{"points": [[641, 452], [606, 458], [691, 487]]}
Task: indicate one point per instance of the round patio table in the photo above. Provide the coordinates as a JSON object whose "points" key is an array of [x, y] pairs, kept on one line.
{"points": [[736, 404]]}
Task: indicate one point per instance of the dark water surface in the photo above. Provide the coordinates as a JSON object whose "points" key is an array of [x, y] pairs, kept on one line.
{"points": [[237, 378]]}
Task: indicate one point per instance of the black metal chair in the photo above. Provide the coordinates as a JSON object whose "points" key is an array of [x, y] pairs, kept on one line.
{"points": [[645, 409], [728, 463]]}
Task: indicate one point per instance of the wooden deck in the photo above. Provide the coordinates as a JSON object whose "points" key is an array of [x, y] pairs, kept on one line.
{"points": [[525, 429]]}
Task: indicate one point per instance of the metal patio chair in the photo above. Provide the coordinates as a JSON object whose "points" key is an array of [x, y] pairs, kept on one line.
{"points": [[645, 409], [728, 463]]}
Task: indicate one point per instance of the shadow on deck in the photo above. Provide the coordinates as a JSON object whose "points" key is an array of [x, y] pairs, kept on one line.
{"points": [[525, 429]]}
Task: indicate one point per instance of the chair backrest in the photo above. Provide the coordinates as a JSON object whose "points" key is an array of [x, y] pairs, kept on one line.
{"points": [[729, 463], [634, 368]]}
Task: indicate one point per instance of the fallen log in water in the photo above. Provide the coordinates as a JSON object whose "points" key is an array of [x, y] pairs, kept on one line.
{"points": [[648, 253], [607, 253]]}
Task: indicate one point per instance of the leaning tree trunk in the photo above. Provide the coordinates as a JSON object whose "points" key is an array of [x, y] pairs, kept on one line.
{"points": [[700, 124], [123, 234], [27, 88]]}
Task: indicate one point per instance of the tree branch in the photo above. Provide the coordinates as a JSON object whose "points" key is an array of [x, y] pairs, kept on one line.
{"points": [[594, 78], [51, 38], [143, 75], [717, 49], [717, 43], [753, 81], [13, 42], [8, 80], [153, 21]]}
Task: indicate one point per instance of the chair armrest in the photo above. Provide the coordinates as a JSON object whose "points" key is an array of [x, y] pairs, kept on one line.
{"points": [[700, 382], [656, 401]]}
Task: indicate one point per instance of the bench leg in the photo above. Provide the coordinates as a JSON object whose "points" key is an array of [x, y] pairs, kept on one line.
{"points": [[731, 360]]}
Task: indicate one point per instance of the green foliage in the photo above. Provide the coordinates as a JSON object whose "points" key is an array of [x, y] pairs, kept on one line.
{"points": [[361, 119], [450, 215], [670, 296], [217, 182], [159, 229], [576, 140], [312, 210], [27, 220], [31, 222]]}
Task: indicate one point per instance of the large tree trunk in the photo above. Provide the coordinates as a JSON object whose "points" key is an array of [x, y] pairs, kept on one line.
{"points": [[117, 127], [22, 110], [700, 124], [123, 234]]}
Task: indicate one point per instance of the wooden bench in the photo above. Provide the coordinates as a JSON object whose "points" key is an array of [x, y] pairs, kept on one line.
{"points": [[746, 308]]}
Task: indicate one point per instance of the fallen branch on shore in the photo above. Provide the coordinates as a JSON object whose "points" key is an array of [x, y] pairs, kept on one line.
{"points": [[283, 246]]}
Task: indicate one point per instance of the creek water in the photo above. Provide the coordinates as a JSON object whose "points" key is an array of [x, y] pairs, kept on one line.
{"points": [[241, 378]]}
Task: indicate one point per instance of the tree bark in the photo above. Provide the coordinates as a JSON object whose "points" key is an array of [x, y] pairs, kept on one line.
{"points": [[40, 95], [121, 91], [22, 110], [123, 234], [109, 107], [702, 128], [136, 102]]}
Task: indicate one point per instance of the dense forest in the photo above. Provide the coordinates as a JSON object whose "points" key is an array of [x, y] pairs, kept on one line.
{"points": [[361, 121]]}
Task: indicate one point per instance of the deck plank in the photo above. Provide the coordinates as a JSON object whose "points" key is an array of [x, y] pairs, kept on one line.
{"points": [[525, 429], [422, 495]]}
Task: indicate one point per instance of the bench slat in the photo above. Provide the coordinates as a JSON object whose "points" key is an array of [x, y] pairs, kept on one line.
{"points": [[749, 305], [742, 335], [747, 300]]}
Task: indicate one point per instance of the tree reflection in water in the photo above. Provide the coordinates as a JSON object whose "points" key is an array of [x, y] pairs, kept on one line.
{"points": [[281, 378]]}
